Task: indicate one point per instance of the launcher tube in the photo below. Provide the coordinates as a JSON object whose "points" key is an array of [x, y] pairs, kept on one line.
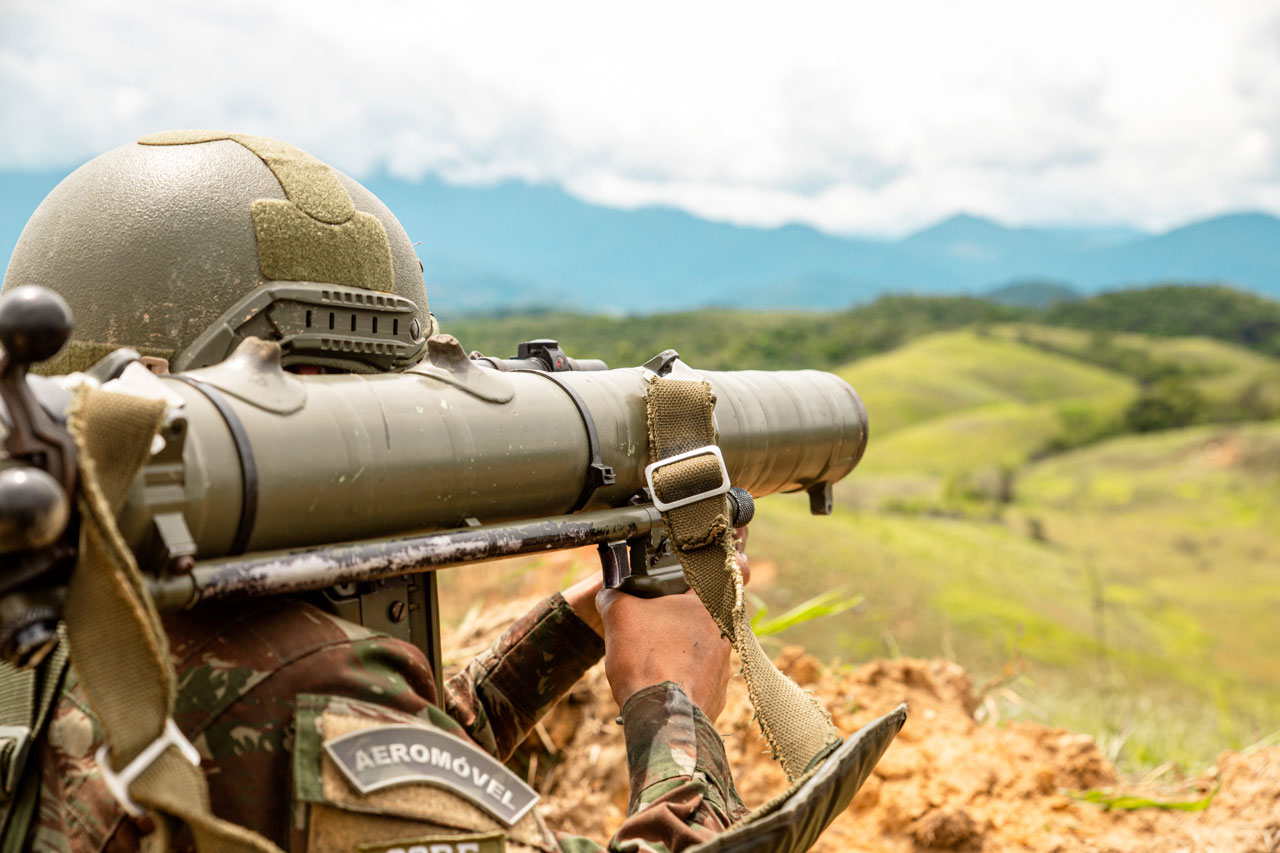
{"points": [[383, 455]]}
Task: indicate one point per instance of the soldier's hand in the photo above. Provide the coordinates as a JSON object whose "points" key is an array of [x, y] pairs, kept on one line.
{"points": [[670, 638]]}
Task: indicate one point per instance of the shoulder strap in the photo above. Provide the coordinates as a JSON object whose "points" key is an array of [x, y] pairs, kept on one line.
{"points": [[680, 418], [120, 650]]}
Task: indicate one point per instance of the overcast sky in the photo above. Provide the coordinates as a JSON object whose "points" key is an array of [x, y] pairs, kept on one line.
{"points": [[854, 117]]}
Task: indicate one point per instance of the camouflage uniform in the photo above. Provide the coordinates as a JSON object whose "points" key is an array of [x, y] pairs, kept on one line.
{"points": [[252, 677]]}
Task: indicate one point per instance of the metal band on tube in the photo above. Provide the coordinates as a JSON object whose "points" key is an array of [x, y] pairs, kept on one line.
{"points": [[248, 465]]}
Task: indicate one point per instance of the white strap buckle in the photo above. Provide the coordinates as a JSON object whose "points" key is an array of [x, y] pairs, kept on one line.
{"points": [[709, 450], [119, 782]]}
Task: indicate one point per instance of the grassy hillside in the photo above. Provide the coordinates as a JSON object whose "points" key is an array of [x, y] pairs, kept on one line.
{"points": [[1131, 584], [1176, 310], [1133, 576], [943, 374], [970, 402], [1234, 383]]}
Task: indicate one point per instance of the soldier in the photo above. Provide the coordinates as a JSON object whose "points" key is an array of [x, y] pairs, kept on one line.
{"points": [[178, 246]]}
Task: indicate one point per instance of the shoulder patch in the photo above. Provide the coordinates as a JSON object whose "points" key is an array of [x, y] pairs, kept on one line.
{"points": [[399, 797], [383, 756]]}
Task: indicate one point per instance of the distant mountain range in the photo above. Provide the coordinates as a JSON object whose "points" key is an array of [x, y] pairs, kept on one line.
{"points": [[515, 246]]}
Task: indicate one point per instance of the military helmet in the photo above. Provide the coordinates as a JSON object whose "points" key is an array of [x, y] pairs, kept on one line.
{"points": [[183, 243]]}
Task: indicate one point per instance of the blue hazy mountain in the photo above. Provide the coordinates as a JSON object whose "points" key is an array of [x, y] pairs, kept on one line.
{"points": [[515, 246], [1241, 248]]}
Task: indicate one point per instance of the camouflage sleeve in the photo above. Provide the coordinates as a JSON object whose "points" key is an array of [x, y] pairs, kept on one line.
{"points": [[682, 790], [505, 690], [240, 668]]}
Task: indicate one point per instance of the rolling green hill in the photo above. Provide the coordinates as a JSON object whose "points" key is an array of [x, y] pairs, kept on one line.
{"points": [[1235, 383], [947, 373], [1175, 310], [1132, 585], [973, 402], [1133, 577]]}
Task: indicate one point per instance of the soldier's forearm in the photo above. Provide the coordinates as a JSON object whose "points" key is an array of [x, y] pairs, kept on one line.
{"points": [[681, 784], [506, 690]]}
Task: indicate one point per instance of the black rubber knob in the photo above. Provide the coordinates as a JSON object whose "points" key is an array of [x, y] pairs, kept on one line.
{"points": [[33, 509], [34, 324], [743, 506]]}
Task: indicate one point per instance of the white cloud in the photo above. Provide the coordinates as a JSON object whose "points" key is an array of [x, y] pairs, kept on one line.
{"points": [[850, 116]]}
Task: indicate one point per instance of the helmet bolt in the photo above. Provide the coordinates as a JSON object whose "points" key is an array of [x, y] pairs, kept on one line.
{"points": [[415, 329]]}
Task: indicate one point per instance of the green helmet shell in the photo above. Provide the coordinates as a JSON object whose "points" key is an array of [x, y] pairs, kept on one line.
{"points": [[183, 242]]}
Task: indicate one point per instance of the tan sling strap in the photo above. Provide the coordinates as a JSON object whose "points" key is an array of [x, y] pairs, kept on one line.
{"points": [[793, 821], [117, 644], [690, 489], [26, 698]]}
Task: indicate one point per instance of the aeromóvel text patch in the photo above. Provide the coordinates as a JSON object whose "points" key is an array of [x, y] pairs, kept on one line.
{"points": [[383, 756]]}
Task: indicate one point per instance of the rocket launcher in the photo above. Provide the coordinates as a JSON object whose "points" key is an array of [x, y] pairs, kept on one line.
{"points": [[264, 482]]}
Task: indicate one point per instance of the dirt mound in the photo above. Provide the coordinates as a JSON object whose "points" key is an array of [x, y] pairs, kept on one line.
{"points": [[947, 782]]}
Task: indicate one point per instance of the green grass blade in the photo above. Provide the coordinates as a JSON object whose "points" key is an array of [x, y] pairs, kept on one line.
{"points": [[1128, 802], [762, 609], [828, 603]]}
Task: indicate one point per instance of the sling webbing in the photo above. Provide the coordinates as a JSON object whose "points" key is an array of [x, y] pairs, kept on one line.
{"points": [[26, 698], [118, 647], [680, 419]]}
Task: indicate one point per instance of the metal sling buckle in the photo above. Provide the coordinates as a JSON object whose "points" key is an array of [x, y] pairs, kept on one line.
{"points": [[709, 450], [119, 782]]}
